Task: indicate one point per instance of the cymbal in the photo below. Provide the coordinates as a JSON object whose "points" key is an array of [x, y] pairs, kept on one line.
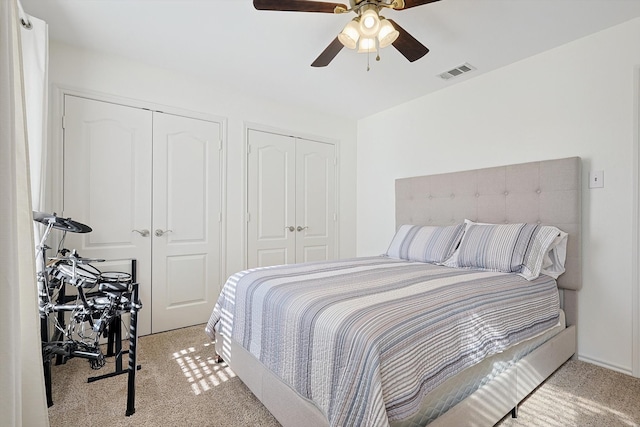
{"points": [[64, 224]]}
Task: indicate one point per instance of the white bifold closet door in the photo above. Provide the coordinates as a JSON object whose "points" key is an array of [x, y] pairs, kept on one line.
{"points": [[149, 185], [291, 200], [186, 221]]}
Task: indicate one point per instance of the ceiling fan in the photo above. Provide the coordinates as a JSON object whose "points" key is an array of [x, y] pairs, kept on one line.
{"points": [[368, 31]]}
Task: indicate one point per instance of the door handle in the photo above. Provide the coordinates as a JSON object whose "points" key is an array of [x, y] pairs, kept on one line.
{"points": [[300, 228], [291, 228], [143, 233], [160, 233]]}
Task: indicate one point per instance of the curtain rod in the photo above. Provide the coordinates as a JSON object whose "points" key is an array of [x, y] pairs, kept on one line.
{"points": [[24, 18]]}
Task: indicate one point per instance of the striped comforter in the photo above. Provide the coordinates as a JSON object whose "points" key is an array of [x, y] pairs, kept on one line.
{"points": [[367, 338]]}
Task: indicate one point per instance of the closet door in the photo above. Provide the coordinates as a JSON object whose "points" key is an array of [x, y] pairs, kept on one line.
{"points": [[315, 201], [291, 200], [271, 197], [149, 184], [107, 186], [186, 220]]}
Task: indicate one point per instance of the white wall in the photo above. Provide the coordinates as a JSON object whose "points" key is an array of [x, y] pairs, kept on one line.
{"points": [[84, 70], [577, 100]]}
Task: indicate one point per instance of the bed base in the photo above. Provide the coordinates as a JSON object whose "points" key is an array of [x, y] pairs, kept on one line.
{"points": [[485, 407]]}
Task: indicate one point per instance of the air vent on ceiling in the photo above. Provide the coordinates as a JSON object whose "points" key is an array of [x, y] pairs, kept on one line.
{"points": [[458, 71]]}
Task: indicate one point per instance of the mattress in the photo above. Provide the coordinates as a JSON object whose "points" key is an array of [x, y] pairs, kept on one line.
{"points": [[368, 339]]}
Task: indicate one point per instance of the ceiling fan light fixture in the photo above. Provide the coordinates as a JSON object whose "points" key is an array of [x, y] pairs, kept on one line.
{"points": [[366, 45], [350, 35], [369, 23], [387, 34], [367, 32]]}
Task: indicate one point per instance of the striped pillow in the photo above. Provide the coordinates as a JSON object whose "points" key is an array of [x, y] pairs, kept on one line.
{"points": [[494, 247], [526, 249], [430, 244]]}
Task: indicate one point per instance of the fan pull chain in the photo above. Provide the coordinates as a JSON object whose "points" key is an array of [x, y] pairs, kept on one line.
{"points": [[369, 55]]}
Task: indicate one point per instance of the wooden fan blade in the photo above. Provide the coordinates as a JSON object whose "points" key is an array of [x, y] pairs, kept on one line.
{"points": [[414, 3], [297, 5], [407, 45], [328, 54]]}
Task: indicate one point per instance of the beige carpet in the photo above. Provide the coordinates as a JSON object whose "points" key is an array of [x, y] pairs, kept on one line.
{"points": [[180, 385]]}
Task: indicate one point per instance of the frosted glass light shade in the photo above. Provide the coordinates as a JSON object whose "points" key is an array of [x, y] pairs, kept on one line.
{"points": [[349, 35], [367, 45], [387, 34], [369, 23]]}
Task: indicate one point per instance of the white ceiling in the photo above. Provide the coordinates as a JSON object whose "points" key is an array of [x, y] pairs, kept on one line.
{"points": [[269, 53]]}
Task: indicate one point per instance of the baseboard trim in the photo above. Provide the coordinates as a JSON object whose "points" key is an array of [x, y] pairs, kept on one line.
{"points": [[622, 369]]}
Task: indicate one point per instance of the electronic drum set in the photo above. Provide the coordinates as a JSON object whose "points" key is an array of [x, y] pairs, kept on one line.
{"points": [[93, 312]]}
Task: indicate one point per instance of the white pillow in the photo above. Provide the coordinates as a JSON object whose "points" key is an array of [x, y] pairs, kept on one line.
{"points": [[547, 254]]}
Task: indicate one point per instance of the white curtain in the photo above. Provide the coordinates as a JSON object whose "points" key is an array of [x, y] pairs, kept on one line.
{"points": [[35, 56], [23, 401]]}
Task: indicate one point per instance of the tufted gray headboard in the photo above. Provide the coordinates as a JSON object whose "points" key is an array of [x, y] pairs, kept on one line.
{"points": [[545, 192]]}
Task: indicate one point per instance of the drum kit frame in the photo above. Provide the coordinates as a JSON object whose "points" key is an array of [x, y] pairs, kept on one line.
{"points": [[94, 312]]}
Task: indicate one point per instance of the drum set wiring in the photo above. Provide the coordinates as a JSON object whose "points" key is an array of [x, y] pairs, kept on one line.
{"points": [[80, 320]]}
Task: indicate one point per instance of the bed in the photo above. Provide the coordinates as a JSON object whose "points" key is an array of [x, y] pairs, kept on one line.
{"points": [[386, 340]]}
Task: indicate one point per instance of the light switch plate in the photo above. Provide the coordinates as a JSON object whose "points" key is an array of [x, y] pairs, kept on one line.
{"points": [[596, 179]]}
